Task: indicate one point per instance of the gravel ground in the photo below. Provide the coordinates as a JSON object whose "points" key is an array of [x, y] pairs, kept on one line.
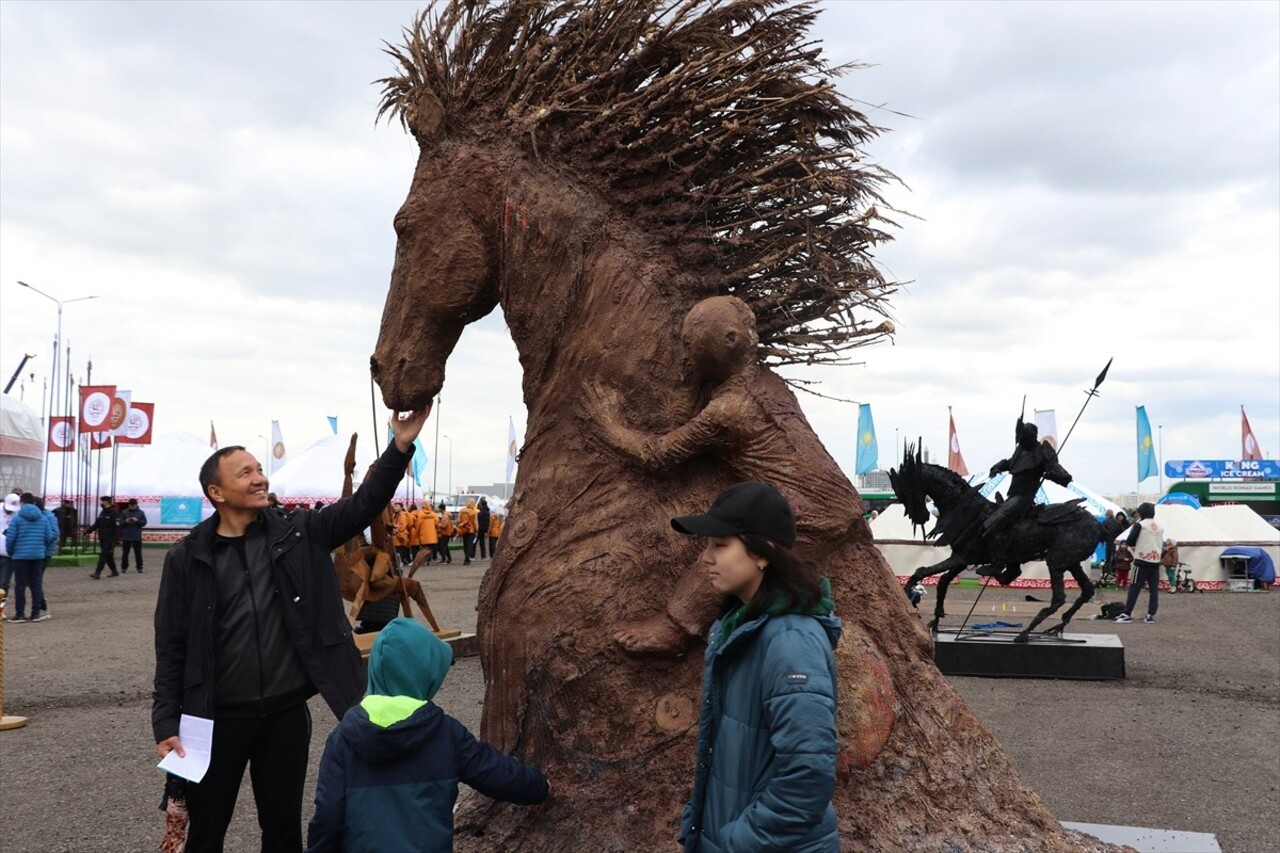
{"points": [[1190, 741]]}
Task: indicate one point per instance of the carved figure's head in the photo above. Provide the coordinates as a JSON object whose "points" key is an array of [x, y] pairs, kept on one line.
{"points": [[719, 337]]}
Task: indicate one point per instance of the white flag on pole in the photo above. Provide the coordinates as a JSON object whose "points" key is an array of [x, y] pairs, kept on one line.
{"points": [[511, 447], [278, 456], [1047, 426]]}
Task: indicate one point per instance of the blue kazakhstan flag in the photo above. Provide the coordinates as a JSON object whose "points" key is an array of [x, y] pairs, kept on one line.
{"points": [[1148, 465], [868, 452], [419, 460]]}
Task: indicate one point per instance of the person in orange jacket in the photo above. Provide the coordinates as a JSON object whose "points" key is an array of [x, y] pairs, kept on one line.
{"points": [[468, 524], [400, 518], [444, 528], [411, 530], [427, 534], [495, 532]]}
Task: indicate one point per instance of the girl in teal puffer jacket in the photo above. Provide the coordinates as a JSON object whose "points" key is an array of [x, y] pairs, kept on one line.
{"points": [[767, 730]]}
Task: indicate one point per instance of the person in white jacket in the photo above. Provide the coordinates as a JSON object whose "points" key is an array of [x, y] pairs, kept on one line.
{"points": [[1146, 540], [6, 565]]}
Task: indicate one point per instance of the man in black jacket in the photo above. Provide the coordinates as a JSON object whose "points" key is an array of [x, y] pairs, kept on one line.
{"points": [[249, 625], [105, 526], [132, 520]]}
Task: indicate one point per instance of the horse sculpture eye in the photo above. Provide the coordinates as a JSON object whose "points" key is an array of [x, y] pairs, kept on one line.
{"points": [[400, 224]]}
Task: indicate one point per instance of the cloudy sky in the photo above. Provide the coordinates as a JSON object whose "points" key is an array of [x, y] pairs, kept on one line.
{"points": [[1083, 180]]}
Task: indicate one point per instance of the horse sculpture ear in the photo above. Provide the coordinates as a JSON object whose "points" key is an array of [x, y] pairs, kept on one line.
{"points": [[425, 117]]}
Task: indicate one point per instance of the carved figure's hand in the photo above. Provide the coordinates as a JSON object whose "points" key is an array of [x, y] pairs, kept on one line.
{"points": [[600, 407]]}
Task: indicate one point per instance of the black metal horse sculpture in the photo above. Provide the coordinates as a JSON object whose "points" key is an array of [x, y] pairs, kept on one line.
{"points": [[1063, 535]]}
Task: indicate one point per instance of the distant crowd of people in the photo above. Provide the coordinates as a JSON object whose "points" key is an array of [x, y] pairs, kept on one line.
{"points": [[31, 535], [432, 529]]}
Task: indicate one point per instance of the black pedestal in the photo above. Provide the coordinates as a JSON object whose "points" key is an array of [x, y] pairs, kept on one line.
{"points": [[989, 653]]}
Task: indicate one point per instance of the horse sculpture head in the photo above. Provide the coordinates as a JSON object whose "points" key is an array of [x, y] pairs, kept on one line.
{"points": [[708, 140], [908, 485], [445, 268]]}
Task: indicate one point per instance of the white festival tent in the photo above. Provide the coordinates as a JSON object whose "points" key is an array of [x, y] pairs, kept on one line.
{"points": [[1203, 534], [21, 446], [168, 467], [315, 474]]}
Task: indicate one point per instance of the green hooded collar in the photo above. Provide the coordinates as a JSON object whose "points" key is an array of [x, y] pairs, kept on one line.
{"points": [[731, 621]]}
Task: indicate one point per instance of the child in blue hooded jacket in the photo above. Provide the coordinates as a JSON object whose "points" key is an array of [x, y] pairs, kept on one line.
{"points": [[390, 772]]}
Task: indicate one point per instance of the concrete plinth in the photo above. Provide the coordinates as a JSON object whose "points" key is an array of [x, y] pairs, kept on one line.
{"points": [[994, 654]]}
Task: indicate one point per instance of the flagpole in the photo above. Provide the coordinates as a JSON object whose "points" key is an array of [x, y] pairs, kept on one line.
{"points": [[67, 411], [1160, 460], [435, 472]]}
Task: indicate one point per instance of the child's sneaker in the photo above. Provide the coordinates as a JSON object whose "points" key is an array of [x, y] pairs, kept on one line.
{"points": [[1124, 617], [1149, 620]]}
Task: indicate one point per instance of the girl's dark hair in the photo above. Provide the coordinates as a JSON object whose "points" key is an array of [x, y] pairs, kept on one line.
{"points": [[788, 578]]}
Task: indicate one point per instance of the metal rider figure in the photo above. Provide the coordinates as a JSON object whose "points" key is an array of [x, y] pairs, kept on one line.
{"points": [[1033, 461]]}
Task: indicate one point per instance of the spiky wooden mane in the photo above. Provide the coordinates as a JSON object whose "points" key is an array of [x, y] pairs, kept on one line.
{"points": [[715, 121]]}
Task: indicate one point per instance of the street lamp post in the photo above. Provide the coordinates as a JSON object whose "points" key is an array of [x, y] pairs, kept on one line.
{"points": [[57, 344], [450, 440]]}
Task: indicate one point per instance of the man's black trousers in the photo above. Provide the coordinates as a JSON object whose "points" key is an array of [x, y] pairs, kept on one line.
{"points": [[275, 748]]}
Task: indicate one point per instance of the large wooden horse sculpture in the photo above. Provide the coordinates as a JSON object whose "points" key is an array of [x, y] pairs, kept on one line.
{"points": [[1063, 535], [596, 168], [366, 572]]}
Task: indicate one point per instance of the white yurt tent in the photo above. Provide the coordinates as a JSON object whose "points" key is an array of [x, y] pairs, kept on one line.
{"points": [[315, 474], [21, 446], [168, 467], [164, 477], [903, 547], [1203, 534]]}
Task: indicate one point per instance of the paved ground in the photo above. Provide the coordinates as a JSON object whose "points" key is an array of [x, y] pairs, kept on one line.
{"points": [[1191, 740]]}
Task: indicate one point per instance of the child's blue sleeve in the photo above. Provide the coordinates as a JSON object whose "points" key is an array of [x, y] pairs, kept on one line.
{"points": [[496, 775]]}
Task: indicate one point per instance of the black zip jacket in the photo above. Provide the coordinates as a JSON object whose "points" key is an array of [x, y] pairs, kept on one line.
{"points": [[105, 524], [302, 569]]}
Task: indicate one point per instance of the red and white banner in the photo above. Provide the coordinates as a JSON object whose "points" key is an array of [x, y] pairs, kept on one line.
{"points": [[1249, 448], [119, 412], [954, 460], [99, 440], [95, 407], [62, 434], [137, 426]]}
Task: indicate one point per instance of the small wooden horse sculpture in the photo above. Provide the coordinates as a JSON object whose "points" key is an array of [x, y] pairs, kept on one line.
{"points": [[366, 573]]}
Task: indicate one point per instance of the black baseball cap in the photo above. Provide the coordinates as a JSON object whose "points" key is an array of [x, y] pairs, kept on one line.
{"points": [[744, 508]]}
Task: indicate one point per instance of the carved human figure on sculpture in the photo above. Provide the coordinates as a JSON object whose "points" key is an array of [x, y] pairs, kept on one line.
{"points": [[736, 426], [1033, 461]]}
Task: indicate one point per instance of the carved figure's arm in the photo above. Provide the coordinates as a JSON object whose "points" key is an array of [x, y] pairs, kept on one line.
{"points": [[1002, 465], [707, 431]]}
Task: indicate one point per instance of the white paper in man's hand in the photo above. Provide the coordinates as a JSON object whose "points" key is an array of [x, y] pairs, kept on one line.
{"points": [[196, 734]]}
